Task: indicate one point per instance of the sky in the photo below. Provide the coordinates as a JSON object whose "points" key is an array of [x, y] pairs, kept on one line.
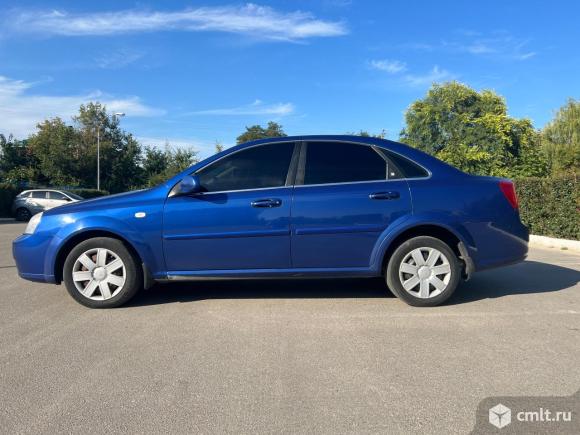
{"points": [[193, 73]]}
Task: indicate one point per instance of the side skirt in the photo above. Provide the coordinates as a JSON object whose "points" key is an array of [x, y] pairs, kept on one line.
{"points": [[205, 275]]}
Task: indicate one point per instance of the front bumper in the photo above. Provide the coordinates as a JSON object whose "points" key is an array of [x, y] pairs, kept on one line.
{"points": [[29, 252]]}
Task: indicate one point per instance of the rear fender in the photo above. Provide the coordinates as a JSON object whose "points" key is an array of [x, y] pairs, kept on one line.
{"points": [[405, 223]]}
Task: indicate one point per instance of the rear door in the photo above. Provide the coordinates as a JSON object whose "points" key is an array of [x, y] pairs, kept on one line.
{"points": [[343, 200]]}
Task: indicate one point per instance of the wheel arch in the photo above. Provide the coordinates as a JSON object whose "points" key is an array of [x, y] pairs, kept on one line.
{"points": [[22, 207], [77, 238], [451, 237]]}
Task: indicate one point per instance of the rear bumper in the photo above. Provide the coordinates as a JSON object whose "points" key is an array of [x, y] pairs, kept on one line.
{"points": [[29, 252], [498, 246]]}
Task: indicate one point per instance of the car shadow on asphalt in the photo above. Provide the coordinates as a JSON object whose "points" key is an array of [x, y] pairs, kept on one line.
{"points": [[262, 289], [521, 279], [524, 278]]}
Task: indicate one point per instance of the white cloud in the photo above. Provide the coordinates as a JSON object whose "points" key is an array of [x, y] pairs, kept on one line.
{"points": [[21, 110], [527, 55], [117, 59], [204, 148], [389, 66], [436, 74], [500, 45], [250, 19], [256, 108]]}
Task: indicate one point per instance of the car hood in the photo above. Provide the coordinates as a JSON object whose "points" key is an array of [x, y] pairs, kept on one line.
{"points": [[101, 203]]}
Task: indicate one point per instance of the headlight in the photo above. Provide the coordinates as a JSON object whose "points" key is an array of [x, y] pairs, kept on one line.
{"points": [[33, 223]]}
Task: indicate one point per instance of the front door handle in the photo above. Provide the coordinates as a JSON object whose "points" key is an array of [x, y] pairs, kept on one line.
{"points": [[385, 195], [267, 203]]}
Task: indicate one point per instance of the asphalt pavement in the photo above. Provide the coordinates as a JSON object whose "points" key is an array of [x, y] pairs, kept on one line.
{"points": [[302, 356]]}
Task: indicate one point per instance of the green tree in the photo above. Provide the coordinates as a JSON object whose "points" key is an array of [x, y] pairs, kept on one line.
{"points": [[364, 133], [561, 139], [160, 164], [120, 153], [472, 131], [55, 147], [254, 132], [17, 162]]}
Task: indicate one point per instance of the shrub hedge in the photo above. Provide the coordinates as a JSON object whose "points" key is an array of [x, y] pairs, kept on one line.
{"points": [[88, 193], [550, 206], [7, 194]]}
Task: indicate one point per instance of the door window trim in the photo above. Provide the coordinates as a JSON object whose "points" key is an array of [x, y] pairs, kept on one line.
{"points": [[302, 164], [290, 174], [295, 175]]}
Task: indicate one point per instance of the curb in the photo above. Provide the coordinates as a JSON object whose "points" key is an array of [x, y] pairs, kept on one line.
{"points": [[551, 242]]}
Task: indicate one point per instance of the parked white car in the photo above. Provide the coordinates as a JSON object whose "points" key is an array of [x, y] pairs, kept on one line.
{"points": [[31, 202]]}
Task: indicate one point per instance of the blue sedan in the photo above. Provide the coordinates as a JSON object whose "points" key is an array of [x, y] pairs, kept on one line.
{"points": [[291, 207]]}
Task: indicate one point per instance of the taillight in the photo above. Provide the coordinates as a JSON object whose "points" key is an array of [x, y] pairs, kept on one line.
{"points": [[509, 191]]}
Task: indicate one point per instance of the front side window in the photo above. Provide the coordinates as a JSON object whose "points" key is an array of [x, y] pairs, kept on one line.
{"points": [[38, 194], [340, 162], [75, 196], [254, 168], [56, 195]]}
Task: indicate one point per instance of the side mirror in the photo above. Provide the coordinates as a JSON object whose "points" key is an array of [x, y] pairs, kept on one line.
{"points": [[188, 185]]}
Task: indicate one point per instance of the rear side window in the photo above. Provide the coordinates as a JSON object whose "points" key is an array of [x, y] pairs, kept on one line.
{"points": [[254, 168], [404, 167], [339, 162], [38, 194]]}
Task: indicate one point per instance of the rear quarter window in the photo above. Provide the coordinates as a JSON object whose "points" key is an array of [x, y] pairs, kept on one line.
{"points": [[406, 167]]}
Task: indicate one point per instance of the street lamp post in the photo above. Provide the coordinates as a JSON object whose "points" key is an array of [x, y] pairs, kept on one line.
{"points": [[115, 116]]}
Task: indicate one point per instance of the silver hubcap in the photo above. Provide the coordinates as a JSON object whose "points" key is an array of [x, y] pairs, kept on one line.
{"points": [[425, 272], [99, 274]]}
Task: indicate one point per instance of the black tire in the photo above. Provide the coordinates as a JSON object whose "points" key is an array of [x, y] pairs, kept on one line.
{"points": [[122, 294], [23, 214], [394, 281]]}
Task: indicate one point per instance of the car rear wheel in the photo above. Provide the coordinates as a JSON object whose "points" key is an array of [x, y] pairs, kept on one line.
{"points": [[23, 214], [423, 272], [102, 273]]}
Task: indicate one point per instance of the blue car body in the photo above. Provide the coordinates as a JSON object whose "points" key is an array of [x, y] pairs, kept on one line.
{"points": [[317, 230]]}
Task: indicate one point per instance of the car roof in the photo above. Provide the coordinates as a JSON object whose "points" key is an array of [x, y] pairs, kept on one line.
{"points": [[407, 151], [44, 190]]}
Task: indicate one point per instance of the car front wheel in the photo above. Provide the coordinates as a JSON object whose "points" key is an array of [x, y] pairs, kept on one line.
{"points": [[23, 214], [102, 273], [423, 272]]}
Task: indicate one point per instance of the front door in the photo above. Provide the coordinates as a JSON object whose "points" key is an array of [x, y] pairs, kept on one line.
{"points": [[241, 219], [344, 202], [56, 199]]}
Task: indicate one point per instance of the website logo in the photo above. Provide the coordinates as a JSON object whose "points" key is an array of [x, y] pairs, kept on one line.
{"points": [[500, 416]]}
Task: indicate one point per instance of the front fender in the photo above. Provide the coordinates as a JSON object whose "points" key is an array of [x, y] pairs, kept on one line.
{"points": [[399, 226], [119, 228]]}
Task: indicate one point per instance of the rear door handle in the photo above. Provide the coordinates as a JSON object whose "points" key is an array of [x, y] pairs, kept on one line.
{"points": [[385, 195], [267, 203]]}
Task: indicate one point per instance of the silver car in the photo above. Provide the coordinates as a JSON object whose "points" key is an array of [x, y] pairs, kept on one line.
{"points": [[31, 202]]}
